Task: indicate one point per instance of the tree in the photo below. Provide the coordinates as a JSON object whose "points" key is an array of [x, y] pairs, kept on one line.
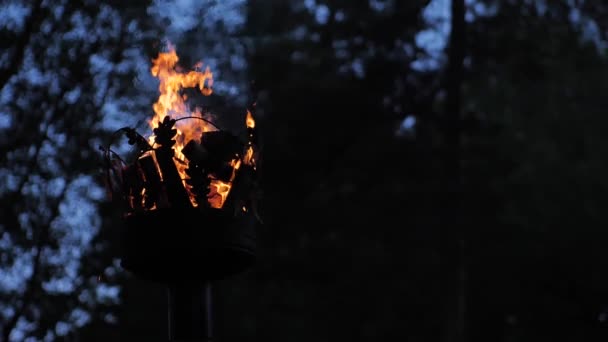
{"points": [[331, 87], [361, 224], [533, 72], [66, 80], [334, 80]]}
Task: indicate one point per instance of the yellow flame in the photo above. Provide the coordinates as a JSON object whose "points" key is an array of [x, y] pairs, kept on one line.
{"points": [[143, 198], [248, 158], [249, 120], [171, 102]]}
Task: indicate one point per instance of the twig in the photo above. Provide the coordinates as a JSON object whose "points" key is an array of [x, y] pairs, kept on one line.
{"points": [[33, 22], [32, 282]]}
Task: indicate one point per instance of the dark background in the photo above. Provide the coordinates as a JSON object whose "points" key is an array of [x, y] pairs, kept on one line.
{"points": [[480, 219]]}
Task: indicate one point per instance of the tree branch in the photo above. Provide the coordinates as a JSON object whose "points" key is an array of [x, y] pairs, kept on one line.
{"points": [[452, 215], [33, 282], [32, 26]]}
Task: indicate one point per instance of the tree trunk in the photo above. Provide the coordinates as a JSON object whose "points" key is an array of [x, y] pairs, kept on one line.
{"points": [[453, 219]]}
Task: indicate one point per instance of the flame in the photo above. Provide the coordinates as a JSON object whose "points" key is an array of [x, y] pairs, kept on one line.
{"points": [[249, 120], [171, 102], [248, 159], [143, 198], [220, 189]]}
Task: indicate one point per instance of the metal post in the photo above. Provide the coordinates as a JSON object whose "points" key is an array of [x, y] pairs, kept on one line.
{"points": [[190, 312]]}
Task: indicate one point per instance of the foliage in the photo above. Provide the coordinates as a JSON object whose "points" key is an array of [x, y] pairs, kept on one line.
{"points": [[66, 80], [480, 220], [362, 237]]}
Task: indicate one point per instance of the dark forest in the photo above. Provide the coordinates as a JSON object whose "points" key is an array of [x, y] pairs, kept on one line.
{"points": [[430, 170]]}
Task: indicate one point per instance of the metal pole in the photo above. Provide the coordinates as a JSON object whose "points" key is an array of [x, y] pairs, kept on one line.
{"points": [[190, 312]]}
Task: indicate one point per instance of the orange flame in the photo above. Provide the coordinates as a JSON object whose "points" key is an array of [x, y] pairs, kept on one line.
{"points": [[249, 120], [248, 158], [220, 189], [171, 102]]}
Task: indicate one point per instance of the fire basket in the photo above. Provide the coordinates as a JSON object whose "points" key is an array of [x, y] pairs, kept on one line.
{"points": [[187, 195]]}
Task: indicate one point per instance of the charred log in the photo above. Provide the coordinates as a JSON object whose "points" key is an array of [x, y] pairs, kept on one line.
{"points": [[197, 171], [152, 183], [133, 186], [242, 185], [136, 139], [222, 148], [176, 193]]}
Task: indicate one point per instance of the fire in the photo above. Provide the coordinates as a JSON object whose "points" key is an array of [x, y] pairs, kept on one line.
{"points": [[171, 102], [187, 161], [249, 153], [220, 189], [249, 156], [249, 120]]}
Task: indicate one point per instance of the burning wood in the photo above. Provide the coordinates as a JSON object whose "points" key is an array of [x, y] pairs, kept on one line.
{"points": [[188, 161], [164, 157], [133, 185], [153, 196]]}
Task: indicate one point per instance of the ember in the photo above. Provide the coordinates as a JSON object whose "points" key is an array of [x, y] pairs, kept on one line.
{"points": [[187, 162]]}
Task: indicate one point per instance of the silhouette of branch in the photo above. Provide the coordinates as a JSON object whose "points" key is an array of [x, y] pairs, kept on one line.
{"points": [[33, 283], [22, 41], [452, 216]]}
